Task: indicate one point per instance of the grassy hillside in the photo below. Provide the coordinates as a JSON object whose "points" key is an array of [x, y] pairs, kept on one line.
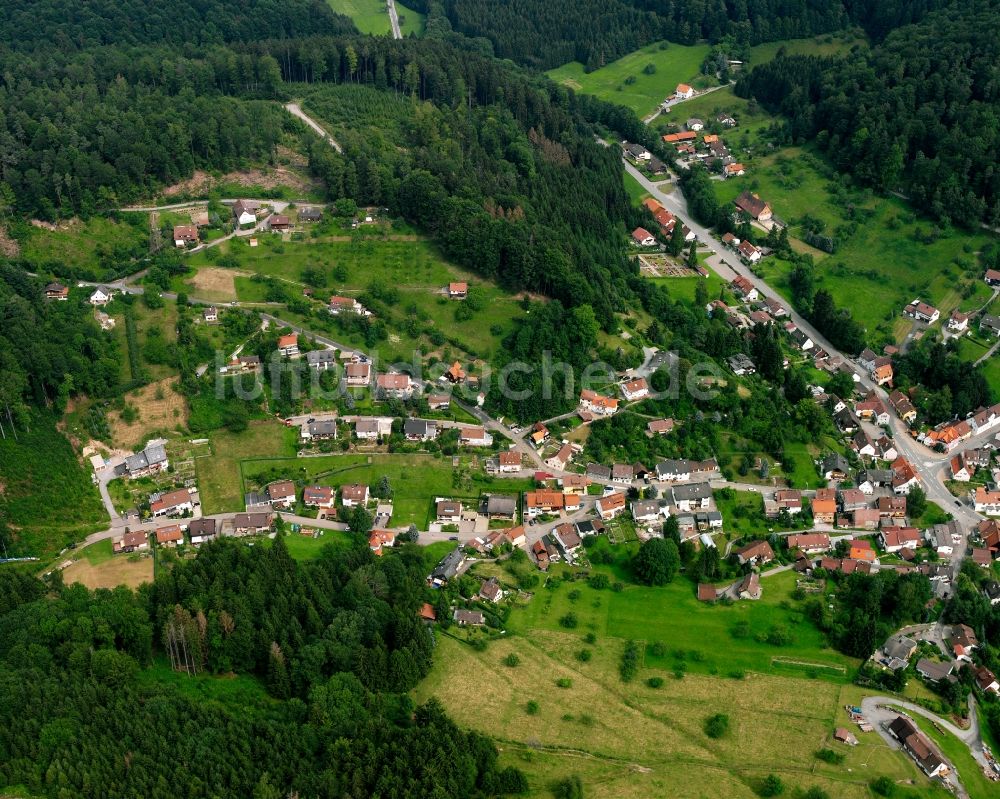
{"points": [[46, 496], [371, 16], [636, 739]]}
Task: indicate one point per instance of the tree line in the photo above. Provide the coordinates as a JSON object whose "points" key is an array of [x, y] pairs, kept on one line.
{"points": [[87, 710], [928, 130]]}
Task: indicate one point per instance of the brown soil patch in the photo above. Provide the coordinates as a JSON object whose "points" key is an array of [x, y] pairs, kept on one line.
{"points": [[120, 570], [66, 224], [9, 248], [155, 414], [266, 178], [214, 283]]}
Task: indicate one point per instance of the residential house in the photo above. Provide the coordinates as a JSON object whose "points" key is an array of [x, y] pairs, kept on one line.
{"points": [[622, 473], [185, 235], [756, 553], [245, 212], [861, 549], [210, 315], [893, 539], [933, 670], [866, 518], [509, 461], [321, 360], [636, 152], [561, 459], [643, 237], [748, 252], [895, 652], [447, 568], [319, 497], [847, 421], [892, 507], [958, 322], [904, 476], [851, 499], [885, 450], [989, 324], [810, 543], [707, 592], [152, 460], [752, 205], [987, 501], [673, 470], [455, 374], [574, 484], [598, 403], [922, 312], [918, 746], [369, 428], [202, 530], [882, 375], [169, 536], [835, 466], [949, 435], [646, 511], [635, 389], [986, 680], [802, 341], [288, 345], [310, 214], [824, 505], [56, 291], [660, 427], [749, 587], [981, 557], [683, 92], [903, 407], [474, 437], [353, 495], [567, 539], [458, 290], [102, 295], [469, 618], [173, 503], [541, 502], [726, 120], [695, 124], [862, 444], [358, 374], [449, 511], [789, 500], [131, 541], [943, 537], [420, 430], [439, 402], [992, 277], [491, 591], [992, 592], [281, 494], [598, 472], [251, 523], [378, 539], [611, 506], [395, 385], [502, 507], [733, 170], [742, 287], [691, 496], [339, 305]]}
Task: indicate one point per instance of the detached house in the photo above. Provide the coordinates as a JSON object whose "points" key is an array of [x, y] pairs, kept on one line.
{"points": [[288, 345], [683, 92], [319, 497], [474, 437], [748, 252], [395, 385], [136, 541], [173, 503], [102, 295], [922, 312], [321, 360], [185, 235], [611, 506], [245, 212], [339, 305], [643, 237], [635, 389], [352, 495], [458, 290], [742, 287], [987, 501], [598, 403], [358, 374], [56, 291], [958, 322], [756, 553], [753, 206]]}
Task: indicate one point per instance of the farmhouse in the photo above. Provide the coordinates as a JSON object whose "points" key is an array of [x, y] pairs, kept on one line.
{"points": [[918, 746], [683, 136], [753, 206]]}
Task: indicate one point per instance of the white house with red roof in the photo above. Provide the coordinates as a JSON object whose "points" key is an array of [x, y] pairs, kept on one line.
{"points": [[635, 389], [748, 252], [643, 237]]}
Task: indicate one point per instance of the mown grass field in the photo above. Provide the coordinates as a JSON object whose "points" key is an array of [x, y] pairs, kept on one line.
{"points": [[883, 260], [408, 264], [371, 16], [635, 740]]}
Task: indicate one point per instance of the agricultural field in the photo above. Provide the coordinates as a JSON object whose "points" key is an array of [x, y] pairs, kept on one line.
{"points": [[96, 567], [353, 265], [637, 739], [371, 16], [95, 249], [887, 255], [152, 411], [47, 498]]}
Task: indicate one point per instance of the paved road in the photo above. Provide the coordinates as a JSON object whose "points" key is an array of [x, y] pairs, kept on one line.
{"points": [[878, 714], [394, 20], [296, 110]]}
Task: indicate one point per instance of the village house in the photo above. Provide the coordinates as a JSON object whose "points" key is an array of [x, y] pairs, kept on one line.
{"points": [[245, 212], [491, 591], [922, 312], [810, 543], [152, 460], [395, 385], [895, 653], [882, 374], [169, 536], [339, 305], [835, 466], [288, 345], [660, 427], [749, 587], [866, 518], [789, 500], [458, 290], [354, 495], [622, 474], [892, 507], [989, 324], [541, 502], [861, 549], [742, 287], [852, 499], [134, 541], [279, 222], [893, 539], [576, 484], [251, 523], [733, 170], [987, 501], [918, 746], [598, 471], [281, 494], [688, 136], [56, 291], [901, 404], [315, 496], [210, 315], [468, 618], [673, 470], [645, 511], [358, 374], [636, 152], [455, 373], [872, 409], [598, 403], [692, 496], [321, 360], [474, 437], [683, 92], [310, 214], [439, 402], [611, 506], [756, 553], [173, 503], [509, 461], [643, 237], [420, 430], [185, 235], [447, 568], [958, 322], [904, 476], [567, 539], [824, 505], [378, 539], [202, 530], [560, 459], [635, 389], [748, 253], [449, 511], [949, 435], [372, 428], [102, 295], [752, 205]]}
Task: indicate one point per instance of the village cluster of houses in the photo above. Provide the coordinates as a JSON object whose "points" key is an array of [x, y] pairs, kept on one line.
{"points": [[194, 532], [245, 214], [666, 222]]}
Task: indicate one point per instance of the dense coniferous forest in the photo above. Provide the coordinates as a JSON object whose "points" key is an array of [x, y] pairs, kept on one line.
{"points": [[547, 33], [340, 636], [916, 113]]}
